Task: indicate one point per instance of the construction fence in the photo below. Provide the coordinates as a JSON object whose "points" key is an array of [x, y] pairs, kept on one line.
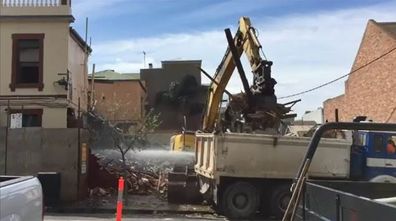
{"points": [[28, 151]]}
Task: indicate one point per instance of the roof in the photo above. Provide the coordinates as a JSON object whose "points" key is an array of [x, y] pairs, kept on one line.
{"points": [[300, 130], [80, 41], [389, 27], [181, 61], [304, 123], [111, 75]]}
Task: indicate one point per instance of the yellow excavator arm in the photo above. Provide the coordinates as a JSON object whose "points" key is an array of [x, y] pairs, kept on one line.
{"points": [[260, 109], [245, 40], [261, 105]]}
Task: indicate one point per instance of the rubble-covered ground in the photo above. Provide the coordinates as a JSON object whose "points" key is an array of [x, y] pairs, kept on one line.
{"points": [[146, 170], [147, 179]]}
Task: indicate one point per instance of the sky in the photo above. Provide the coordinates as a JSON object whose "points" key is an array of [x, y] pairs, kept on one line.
{"points": [[310, 42]]}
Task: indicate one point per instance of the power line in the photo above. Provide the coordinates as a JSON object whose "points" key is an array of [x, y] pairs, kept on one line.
{"points": [[339, 78]]}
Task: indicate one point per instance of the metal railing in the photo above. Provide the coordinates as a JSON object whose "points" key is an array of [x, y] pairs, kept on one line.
{"points": [[33, 3]]}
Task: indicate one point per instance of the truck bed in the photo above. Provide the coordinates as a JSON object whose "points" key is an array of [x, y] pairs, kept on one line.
{"points": [[346, 200], [266, 156]]}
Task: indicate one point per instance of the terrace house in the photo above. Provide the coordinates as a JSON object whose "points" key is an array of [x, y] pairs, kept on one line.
{"points": [[43, 65]]}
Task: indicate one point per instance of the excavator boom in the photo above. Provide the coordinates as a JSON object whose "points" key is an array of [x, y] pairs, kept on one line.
{"points": [[224, 72], [260, 96], [258, 105]]}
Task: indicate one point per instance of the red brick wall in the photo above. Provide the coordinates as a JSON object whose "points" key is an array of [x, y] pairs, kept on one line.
{"points": [[119, 101], [371, 91], [331, 105]]}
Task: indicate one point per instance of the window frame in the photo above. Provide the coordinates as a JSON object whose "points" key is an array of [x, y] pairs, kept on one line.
{"points": [[15, 61], [382, 147], [38, 112]]}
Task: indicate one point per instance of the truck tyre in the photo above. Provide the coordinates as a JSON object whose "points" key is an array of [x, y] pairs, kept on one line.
{"points": [[279, 200], [240, 200]]}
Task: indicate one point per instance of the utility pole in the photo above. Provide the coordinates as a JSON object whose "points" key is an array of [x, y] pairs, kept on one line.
{"points": [[92, 100]]}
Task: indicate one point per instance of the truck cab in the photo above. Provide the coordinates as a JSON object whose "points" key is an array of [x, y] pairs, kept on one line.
{"points": [[372, 157]]}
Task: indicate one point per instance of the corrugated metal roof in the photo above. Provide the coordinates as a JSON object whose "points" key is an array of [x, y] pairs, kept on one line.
{"points": [[111, 75]]}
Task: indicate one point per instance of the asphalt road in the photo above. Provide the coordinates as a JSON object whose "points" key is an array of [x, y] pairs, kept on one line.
{"points": [[103, 217]]}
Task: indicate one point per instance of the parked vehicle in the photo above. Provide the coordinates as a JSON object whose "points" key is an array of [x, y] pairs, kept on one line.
{"points": [[21, 198], [242, 172], [346, 200]]}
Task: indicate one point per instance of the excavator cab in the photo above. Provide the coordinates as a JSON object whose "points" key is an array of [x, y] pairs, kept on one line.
{"points": [[184, 141]]}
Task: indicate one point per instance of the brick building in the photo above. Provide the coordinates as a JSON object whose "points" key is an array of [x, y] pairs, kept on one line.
{"points": [[119, 97], [371, 90]]}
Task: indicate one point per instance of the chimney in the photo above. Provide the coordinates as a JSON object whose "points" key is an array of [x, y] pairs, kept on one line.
{"points": [[150, 65]]}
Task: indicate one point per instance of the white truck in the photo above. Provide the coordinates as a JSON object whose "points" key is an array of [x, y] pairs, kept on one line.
{"points": [[21, 198], [243, 172]]}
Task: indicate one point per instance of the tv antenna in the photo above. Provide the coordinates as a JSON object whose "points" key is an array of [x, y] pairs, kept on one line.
{"points": [[144, 58]]}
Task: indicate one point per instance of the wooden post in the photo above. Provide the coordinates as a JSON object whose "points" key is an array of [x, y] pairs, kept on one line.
{"points": [[92, 100], [78, 148]]}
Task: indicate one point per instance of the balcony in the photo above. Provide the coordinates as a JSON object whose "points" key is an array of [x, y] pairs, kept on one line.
{"points": [[16, 8]]}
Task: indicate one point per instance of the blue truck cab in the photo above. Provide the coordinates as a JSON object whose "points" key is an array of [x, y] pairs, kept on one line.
{"points": [[371, 158]]}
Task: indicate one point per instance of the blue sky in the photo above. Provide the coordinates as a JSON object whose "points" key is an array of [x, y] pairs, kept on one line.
{"points": [[310, 42], [143, 18]]}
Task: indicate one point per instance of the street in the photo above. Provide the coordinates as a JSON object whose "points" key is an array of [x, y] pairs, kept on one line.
{"points": [[140, 217], [102, 217]]}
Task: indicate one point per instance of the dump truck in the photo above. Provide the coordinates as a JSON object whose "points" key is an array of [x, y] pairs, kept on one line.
{"points": [[261, 167], [242, 172], [245, 173]]}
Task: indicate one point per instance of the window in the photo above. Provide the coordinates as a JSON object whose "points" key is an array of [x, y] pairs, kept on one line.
{"points": [[27, 61], [390, 146], [378, 143], [30, 117], [359, 139]]}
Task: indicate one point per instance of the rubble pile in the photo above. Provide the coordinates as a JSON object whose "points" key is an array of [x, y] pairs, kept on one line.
{"points": [[142, 177], [101, 192]]}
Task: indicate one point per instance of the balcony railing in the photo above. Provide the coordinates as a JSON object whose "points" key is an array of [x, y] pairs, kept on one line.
{"points": [[35, 7], [33, 3]]}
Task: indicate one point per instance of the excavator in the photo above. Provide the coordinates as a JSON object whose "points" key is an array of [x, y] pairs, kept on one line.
{"points": [[255, 110]]}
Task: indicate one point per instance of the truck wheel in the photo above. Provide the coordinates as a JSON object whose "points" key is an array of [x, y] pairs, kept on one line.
{"points": [[383, 179], [240, 200], [279, 200]]}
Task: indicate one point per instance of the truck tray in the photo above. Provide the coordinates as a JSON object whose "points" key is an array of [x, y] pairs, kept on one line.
{"points": [[346, 200]]}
